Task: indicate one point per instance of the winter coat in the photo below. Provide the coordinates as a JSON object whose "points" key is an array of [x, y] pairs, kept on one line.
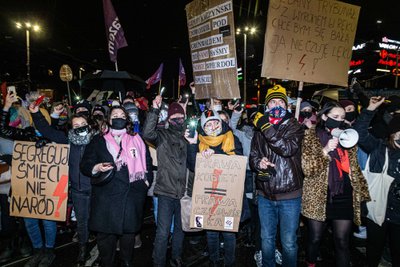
{"points": [[117, 206], [376, 149], [281, 144], [27, 134], [315, 188], [171, 157]]}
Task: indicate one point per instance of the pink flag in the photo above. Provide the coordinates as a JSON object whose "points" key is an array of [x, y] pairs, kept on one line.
{"points": [[182, 74], [156, 77], [114, 31]]}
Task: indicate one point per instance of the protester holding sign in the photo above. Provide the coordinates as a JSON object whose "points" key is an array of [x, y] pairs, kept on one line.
{"points": [[389, 165], [116, 161], [78, 137], [216, 137], [276, 156], [334, 186]]}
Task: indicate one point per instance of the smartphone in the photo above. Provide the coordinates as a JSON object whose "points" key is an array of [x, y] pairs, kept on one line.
{"points": [[11, 89], [39, 100], [240, 106], [191, 125], [184, 98]]}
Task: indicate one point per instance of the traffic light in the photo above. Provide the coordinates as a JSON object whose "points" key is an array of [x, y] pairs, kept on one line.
{"points": [[240, 74]]}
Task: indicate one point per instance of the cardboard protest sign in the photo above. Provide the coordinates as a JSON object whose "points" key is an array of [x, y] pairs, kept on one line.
{"points": [[212, 46], [218, 192], [39, 181], [309, 41]]}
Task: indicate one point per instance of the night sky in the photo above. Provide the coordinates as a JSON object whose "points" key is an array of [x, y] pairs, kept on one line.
{"points": [[73, 33]]}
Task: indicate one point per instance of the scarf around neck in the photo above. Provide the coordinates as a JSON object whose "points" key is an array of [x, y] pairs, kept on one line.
{"points": [[338, 166], [133, 153], [227, 140], [78, 140]]}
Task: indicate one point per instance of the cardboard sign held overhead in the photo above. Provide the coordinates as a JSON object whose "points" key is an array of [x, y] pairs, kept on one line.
{"points": [[309, 41], [218, 192], [39, 181], [212, 46]]}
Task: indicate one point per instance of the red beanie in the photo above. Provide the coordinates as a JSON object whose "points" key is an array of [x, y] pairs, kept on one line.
{"points": [[175, 108]]}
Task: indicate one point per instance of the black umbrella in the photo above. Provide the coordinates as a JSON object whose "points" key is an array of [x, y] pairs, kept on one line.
{"points": [[117, 81]]}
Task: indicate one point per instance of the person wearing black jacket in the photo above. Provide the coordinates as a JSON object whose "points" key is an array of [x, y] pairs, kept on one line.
{"points": [[78, 137], [376, 149], [276, 157], [171, 178]]}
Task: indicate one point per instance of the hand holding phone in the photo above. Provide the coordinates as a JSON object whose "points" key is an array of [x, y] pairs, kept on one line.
{"points": [[12, 90], [191, 125]]}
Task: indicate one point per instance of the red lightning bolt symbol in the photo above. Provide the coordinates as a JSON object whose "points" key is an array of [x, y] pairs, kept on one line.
{"points": [[300, 62], [217, 198], [60, 193]]}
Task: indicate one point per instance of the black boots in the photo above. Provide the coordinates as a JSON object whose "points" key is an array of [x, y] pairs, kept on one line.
{"points": [[36, 258], [8, 252]]}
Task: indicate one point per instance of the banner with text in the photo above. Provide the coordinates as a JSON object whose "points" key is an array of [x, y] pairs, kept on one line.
{"points": [[218, 192], [39, 181], [309, 40], [212, 46]]}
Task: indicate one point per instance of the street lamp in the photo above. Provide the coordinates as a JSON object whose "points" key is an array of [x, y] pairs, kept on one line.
{"points": [[246, 30], [28, 27]]}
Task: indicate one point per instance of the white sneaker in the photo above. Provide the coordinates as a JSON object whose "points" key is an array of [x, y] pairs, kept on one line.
{"points": [[258, 258], [278, 257], [362, 232]]}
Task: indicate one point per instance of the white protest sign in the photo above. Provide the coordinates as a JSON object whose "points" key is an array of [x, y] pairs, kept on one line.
{"points": [[309, 40]]}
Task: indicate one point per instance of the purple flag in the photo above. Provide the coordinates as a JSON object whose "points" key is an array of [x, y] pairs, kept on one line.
{"points": [[182, 74], [156, 77], [114, 31]]}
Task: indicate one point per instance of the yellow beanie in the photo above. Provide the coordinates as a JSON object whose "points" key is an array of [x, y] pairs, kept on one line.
{"points": [[276, 92]]}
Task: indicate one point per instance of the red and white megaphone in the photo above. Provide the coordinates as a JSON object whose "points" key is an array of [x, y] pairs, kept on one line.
{"points": [[347, 138]]}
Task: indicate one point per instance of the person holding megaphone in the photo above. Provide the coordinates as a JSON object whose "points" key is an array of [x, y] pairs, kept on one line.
{"points": [[333, 186]]}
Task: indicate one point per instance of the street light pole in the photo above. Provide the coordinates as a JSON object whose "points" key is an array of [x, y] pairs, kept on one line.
{"points": [[28, 57], [245, 68]]}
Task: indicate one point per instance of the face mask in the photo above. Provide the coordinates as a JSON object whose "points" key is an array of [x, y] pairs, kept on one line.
{"points": [[98, 117], [332, 124], [350, 116], [217, 108], [82, 131], [118, 123], [84, 113], [306, 114], [176, 121], [277, 112], [214, 133]]}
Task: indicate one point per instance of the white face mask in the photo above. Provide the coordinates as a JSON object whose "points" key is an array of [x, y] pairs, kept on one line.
{"points": [[217, 108]]}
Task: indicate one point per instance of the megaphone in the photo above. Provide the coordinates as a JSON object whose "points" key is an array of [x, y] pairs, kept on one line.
{"points": [[347, 138]]}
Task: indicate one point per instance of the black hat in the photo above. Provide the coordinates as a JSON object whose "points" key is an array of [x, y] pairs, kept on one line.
{"points": [[394, 103], [394, 124], [83, 104], [99, 108]]}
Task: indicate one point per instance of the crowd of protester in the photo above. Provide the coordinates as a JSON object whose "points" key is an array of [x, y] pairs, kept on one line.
{"points": [[297, 173]]}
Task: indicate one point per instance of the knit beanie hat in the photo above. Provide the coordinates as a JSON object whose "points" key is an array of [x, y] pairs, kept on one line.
{"points": [[394, 124], [276, 92], [345, 103], [99, 108], [209, 115], [175, 108], [83, 104], [305, 104]]}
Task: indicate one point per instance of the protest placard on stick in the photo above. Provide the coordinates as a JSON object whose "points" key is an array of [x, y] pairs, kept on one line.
{"points": [[39, 181], [218, 192]]}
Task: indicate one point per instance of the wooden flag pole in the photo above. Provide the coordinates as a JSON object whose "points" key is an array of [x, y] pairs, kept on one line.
{"points": [[179, 87], [300, 89], [159, 87]]}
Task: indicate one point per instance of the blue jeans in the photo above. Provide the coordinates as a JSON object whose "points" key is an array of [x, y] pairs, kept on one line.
{"points": [[155, 205], [229, 246], [167, 208], [81, 202], [33, 229], [286, 213]]}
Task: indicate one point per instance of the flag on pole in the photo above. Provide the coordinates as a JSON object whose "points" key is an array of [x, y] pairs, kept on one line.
{"points": [[114, 31], [4, 91], [182, 74], [156, 77]]}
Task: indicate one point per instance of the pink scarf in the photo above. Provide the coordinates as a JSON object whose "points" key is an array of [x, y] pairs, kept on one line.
{"points": [[133, 153]]}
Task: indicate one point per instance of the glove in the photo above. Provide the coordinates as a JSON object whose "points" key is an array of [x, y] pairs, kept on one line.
{"points": [[261, 121]]}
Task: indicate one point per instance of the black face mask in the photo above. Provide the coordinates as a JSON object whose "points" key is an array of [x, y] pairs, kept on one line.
{"points": [[332, 124], [350, 116], [306, 114], [84, 113], [118, 123], [82, 131], [98, 117], [177, 121]]}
